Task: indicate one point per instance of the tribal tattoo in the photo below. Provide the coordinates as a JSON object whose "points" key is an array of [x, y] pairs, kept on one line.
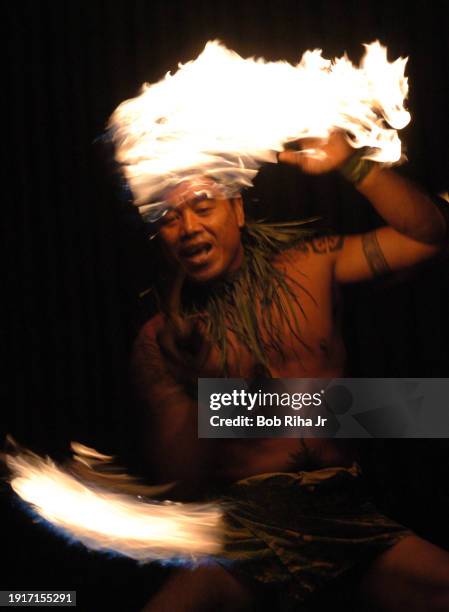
{"points": [[323, 244], [374, 255]]}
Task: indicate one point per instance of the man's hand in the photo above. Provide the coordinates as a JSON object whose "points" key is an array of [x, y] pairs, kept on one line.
{"points": [[184, 344], [317, 155]]}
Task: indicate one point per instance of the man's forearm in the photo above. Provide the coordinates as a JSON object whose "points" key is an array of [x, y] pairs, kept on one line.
{"points": [[172, 434], [169, 417], [404, 206]]}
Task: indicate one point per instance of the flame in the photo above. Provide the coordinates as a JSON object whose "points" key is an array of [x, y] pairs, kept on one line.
{"points": [[108, 521], [223, 116]]}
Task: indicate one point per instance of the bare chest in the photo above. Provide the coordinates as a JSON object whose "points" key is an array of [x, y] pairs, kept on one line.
{"points": [[299, 333]]}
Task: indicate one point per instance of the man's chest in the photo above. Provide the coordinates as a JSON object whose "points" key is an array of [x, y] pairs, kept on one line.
{"points": [[299, 333]]}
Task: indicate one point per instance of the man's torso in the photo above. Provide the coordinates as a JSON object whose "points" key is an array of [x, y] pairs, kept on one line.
{"points": [[312, 348]]}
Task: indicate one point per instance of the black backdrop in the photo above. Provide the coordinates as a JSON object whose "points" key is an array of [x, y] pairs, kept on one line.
{"points": [[75, 259]]}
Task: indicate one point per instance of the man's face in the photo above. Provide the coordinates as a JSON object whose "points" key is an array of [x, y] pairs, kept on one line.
{"points": [[202, 235]]}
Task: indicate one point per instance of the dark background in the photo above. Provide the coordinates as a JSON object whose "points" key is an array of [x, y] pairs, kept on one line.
{"points": [[75, 258]]}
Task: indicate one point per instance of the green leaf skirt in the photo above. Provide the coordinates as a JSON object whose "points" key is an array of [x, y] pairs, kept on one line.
{"points": [[299, 531]]}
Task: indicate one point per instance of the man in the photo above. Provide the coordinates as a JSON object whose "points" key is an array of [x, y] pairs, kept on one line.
{"points": [[238, 309]]}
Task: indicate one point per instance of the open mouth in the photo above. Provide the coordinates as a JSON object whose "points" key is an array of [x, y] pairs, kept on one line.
{"points": [[196, 254]]}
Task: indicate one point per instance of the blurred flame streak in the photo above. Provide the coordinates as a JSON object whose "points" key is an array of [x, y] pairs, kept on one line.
{"points": [[142, 530], [222, 116]]}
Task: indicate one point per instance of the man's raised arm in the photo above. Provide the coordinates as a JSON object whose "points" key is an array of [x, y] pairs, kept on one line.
{"points": [[417, 225], [417, 229]]}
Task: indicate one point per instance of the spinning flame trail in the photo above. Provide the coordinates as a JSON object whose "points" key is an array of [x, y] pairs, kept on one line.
{"points": [[222, 116], [113, 521]]}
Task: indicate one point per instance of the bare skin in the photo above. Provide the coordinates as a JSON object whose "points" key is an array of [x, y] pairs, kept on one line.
{"points": [[324, 358], [414, 234]]}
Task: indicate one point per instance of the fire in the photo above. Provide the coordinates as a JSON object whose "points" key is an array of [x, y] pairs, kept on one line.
{"points": [[108, 521], [223, 116]]}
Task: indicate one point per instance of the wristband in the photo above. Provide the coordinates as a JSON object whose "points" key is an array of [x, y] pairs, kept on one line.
{"points": [[356, 168]]}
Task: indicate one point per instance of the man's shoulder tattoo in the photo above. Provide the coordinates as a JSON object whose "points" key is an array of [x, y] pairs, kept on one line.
{"points": [[323, 245], [374, 255]]}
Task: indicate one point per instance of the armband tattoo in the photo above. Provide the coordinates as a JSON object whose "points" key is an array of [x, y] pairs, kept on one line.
{"points": [[374, 255]]}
